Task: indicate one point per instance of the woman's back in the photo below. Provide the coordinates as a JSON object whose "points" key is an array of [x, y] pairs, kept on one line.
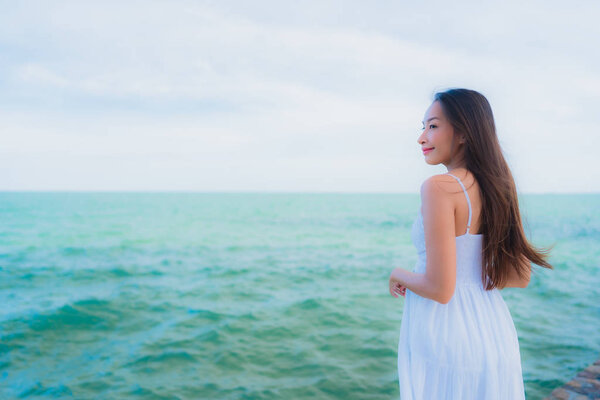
{"points": [[467, 348], [462, 186], [468, 245]]}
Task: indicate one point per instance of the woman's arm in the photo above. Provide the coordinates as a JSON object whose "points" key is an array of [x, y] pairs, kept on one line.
{"points": [[439, 280], [417, 282]]}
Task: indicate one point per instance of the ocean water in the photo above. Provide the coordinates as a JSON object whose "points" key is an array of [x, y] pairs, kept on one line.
{"points": [[253, 296]]}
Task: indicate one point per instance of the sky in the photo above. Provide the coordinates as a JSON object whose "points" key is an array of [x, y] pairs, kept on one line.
{"points": [[282, 96]]}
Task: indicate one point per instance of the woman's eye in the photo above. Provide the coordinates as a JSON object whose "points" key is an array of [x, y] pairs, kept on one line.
{"points": [[432, 126]]}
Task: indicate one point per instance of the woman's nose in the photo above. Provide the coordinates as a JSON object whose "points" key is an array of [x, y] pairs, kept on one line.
{"points": [[420, 139]]}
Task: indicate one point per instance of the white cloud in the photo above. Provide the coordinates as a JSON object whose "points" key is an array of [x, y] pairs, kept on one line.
{"points": [[213, 84]]}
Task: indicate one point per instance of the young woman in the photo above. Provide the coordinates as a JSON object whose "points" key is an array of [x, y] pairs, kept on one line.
{"points": [[457, 337]]}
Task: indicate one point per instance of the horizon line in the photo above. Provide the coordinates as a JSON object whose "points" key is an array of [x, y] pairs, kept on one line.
{"points": [[161, 191]]}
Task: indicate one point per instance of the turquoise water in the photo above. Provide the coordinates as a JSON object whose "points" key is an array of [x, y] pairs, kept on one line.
{"points": [[253, 296]]}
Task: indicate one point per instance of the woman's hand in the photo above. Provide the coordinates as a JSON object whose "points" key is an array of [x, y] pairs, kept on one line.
{"points": [[396, 287]]}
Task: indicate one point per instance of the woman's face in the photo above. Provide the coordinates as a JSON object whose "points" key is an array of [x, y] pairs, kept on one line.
{"points": [[438, 135]]}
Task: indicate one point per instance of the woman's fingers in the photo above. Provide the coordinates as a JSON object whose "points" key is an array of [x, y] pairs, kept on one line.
{"points": [[397, 289], [403, 290]]}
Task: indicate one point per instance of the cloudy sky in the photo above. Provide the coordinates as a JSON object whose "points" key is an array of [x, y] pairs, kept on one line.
{"points": [[282, 96]]}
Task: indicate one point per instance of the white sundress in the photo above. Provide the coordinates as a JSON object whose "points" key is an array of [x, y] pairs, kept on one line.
{"points": [[465, 349]]}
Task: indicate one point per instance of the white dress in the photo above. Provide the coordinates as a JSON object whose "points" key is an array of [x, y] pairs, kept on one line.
{"points": [[465, 349]]}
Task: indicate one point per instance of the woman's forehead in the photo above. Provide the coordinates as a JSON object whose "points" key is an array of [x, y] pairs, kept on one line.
{"points": [[434, 111]]}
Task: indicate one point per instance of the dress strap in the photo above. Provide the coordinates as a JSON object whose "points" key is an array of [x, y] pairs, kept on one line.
{"points": [[468, 201]]}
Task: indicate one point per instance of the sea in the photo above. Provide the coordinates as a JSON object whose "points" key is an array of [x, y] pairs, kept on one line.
{"points": [[164, 295]]}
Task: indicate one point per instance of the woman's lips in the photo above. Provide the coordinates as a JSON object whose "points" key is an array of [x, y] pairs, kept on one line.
{"points": [[425, 151]]}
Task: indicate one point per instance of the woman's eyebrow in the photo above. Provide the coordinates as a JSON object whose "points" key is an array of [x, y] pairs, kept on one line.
{"points": [[430, 119]]}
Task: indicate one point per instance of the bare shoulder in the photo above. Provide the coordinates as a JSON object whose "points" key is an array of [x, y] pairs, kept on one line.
{"points": [[437, 185], [436, 192]]}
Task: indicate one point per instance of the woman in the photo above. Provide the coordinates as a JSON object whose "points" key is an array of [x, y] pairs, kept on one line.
{"points": [[457, 337]]}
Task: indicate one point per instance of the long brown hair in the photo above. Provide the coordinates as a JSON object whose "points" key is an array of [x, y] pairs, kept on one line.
{"points": [[505, 244]]}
